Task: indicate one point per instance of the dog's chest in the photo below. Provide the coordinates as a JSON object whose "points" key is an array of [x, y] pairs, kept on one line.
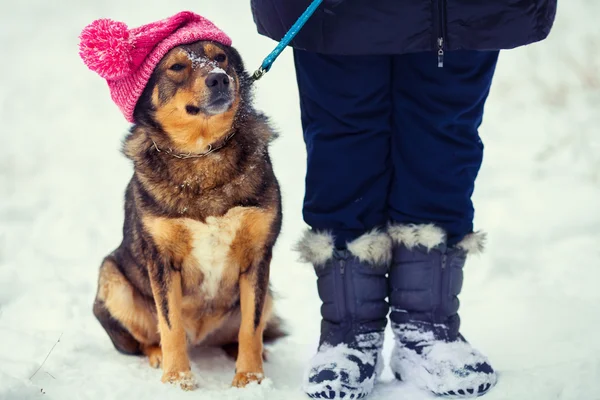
{"points": [[211, 253], [210, 261]]}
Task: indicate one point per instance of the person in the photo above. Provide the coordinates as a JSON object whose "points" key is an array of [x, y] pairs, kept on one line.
{"points": [[392, 94]]}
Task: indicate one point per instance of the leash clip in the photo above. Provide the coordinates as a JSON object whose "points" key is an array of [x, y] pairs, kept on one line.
{"points": [[259, 73], [286, 40]]}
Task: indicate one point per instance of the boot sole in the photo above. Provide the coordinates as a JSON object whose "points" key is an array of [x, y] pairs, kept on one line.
{"points": [[466, 394], [337, 395]]}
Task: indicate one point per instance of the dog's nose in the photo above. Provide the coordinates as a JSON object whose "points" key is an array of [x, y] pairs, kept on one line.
{"points": [[217, 80]]}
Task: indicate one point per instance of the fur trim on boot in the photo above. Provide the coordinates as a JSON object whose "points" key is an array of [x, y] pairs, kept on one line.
{"points": [[430, 236], [473, 243], [373, 248], [315, 247]]}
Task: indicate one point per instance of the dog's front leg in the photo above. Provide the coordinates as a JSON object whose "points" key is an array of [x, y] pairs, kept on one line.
{"points": [[255, 307], [167, 291]]}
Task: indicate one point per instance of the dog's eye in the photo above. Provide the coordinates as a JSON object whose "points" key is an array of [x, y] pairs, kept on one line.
{"points": [[220, 58], [177, 67]]}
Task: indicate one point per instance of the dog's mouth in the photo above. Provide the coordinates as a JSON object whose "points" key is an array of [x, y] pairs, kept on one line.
{"points": [[219, 103], [216, 103]]}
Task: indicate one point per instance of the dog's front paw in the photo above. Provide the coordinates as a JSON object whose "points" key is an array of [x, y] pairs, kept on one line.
{"points": [[242, 379], [184, 379]]}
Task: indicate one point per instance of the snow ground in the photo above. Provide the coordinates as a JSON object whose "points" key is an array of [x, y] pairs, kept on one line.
{"points": [[531, 302]]}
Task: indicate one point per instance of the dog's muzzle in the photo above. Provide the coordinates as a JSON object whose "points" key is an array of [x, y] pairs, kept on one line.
{"points": [[220, 98]]}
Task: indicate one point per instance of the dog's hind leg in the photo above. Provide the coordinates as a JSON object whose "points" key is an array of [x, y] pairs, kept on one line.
{"points": [[125, 315], [154, 354], [123, 341]]}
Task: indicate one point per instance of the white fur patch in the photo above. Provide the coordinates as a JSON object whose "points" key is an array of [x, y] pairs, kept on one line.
{"points": [[211, 244], [374, 248], [427, 235], [315, 247], [473, 243]]}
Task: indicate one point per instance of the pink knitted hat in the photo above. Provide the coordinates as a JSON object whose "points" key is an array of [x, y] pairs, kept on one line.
{"points": [[127, 57]]}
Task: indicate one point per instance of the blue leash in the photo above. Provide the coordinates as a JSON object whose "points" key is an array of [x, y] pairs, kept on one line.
{"points": [[289, 36]]}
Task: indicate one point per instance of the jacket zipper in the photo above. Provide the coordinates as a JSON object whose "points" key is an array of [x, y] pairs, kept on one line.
{"points": [[442, 29]]}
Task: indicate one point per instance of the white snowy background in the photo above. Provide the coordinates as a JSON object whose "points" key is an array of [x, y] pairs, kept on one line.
{"points": [[531, 302]]}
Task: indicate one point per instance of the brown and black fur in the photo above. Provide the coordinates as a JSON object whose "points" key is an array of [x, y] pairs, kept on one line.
{"points": [[156, 291]]}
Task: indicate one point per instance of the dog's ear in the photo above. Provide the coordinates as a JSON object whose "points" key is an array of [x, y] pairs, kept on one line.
{"points": [[143, 113], [246, 94], [236, 60]]}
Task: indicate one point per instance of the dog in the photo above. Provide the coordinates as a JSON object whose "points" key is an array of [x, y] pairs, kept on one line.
{"points": [[202, 215]]}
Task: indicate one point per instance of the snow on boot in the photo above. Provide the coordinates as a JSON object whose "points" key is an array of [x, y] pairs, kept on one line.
{"points": [[425, 279], [352, 285]]}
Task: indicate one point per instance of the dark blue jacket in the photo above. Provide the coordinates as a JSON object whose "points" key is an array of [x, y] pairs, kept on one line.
{"points": [[362, 27]]}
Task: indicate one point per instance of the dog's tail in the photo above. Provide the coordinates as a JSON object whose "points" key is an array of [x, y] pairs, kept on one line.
{"points": [[274, 330]]}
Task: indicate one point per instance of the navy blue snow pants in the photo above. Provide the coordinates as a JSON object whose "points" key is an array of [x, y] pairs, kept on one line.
{"points": [[392, 139]]}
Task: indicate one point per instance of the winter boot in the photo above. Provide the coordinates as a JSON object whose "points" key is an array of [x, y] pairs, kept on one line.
{"points": [[425, 279], [352, 285]]}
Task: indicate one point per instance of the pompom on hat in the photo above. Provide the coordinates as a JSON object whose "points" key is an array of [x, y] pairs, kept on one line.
{"points": [[127, 57]]}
